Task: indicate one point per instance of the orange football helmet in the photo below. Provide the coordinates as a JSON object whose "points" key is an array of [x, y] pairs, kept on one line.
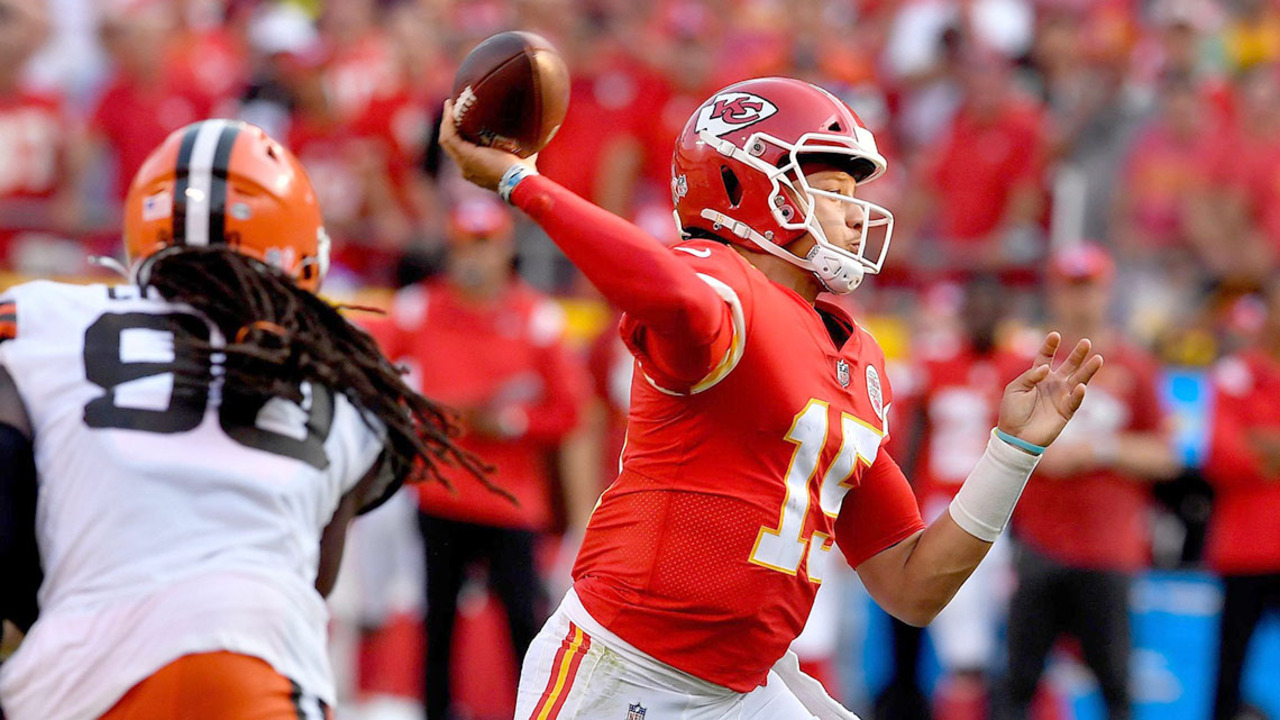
{"points": [[226, 181]]}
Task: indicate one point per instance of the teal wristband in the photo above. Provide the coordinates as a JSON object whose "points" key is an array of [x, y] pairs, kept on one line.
{"points": [[1020, 443], [511, 178]]}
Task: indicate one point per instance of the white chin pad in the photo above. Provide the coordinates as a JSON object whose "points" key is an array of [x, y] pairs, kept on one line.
{"points": [[838, 274]]}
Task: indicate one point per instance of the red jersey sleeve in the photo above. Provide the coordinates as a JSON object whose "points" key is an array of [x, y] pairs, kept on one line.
{"points": [[681, 322], [687, 369], [877, 514]]}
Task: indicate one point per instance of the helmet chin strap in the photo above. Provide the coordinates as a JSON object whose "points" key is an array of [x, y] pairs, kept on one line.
{"points": [[838, 274]]}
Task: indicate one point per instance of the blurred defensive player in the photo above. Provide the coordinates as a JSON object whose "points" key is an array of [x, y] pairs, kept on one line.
{"points": [[200, 439], [756, 423]]}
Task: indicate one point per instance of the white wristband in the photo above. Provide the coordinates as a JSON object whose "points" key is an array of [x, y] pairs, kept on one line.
{"points": [[986, 499]]}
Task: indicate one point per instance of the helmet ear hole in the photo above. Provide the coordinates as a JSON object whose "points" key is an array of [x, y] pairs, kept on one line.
{"points": [[732, 186]]}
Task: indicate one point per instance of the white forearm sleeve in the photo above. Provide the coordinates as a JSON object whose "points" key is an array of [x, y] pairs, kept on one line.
{"points": [[986, 499]]}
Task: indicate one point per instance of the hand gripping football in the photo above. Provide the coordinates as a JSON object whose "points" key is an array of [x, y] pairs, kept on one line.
{"points": [[511, 92]]}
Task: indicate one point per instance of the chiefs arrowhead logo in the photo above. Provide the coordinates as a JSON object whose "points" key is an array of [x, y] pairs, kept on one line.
{"points": [[728, 112]]}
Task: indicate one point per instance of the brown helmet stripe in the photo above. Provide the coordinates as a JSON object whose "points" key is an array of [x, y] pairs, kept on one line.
{"points": [[218, 184], [181, 175]]}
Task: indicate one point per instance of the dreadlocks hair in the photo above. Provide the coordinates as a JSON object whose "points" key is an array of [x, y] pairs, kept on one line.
{"points": [[278, 335]]}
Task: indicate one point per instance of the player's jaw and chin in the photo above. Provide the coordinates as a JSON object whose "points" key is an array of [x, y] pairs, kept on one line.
{"points": [[836, 234]]}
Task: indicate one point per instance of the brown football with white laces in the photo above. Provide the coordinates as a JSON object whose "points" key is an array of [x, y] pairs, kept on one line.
{"points": [[511, 92]]}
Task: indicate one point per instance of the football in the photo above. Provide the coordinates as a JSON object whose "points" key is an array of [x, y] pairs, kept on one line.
{"points": [[511, 92]]}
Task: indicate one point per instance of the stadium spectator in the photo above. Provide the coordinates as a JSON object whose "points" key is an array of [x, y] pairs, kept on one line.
{"points": [[36, 195], [363, 66], [1080, 74], [491, 347], [1081, 524], [980, 193], [146, 97], [1168, 179], [1244, 467], [1245, 243], [608, 90], [1252, 34]]}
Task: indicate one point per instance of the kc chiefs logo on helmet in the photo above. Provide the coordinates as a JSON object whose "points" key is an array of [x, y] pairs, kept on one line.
{"points": [[727, 112]]}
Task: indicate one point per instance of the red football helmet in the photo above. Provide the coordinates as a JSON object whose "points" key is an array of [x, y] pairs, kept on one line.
{"points": [[745, 144], [227, 182]]}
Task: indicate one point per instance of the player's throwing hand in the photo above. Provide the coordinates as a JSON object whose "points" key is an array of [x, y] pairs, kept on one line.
{"points": [[483, 166]]}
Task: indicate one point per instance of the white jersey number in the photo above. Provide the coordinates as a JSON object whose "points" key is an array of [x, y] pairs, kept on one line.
{"points": [[781, 548], [110, 363]]}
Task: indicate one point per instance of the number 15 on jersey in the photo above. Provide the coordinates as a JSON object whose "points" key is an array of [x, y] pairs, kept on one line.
{"points": [[782, 547]]}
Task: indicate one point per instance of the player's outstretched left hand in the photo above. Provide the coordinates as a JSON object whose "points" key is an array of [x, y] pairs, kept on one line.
{"points": [[1040, 402], [483, 166]]}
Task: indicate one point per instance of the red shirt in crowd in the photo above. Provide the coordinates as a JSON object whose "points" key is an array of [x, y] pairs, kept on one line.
{"points": [[957, 398], [1097, 520], [1259, 179], [329, 151], [32, 134], [211, 62], [507, 355], [1244, 534], [134, 119], [978, 165], [608, 106], [32, 150], [1162, 174], [399, 126], [357, 75]]}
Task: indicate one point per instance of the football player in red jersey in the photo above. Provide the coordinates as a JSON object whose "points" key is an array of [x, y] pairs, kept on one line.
{"points": [[756, 423]]}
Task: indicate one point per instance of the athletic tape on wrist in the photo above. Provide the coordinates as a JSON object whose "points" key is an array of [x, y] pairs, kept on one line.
{"points": [[511, 178], [987, 498]]}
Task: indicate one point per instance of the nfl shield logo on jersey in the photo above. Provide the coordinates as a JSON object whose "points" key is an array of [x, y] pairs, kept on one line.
{"points": [[842, 372], [635, 712]]}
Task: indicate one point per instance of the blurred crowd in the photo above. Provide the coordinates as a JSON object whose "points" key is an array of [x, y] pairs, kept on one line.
{"points": [[1011, 125], [1111, 166]]}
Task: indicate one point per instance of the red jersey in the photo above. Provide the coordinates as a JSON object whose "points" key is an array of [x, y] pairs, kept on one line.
{"points": [[1244, 536], [400, 127], [977, 167], [331, 156], [33, 145], [134, 119], [1098, 520], [1161, 172], [960, 392], [707, 550], [1261, 188], [360, 73], [32, 139], [507, 354], [610, 106]]}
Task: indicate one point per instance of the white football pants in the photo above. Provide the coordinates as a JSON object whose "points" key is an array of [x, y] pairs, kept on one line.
{"points": [[577, 670]]}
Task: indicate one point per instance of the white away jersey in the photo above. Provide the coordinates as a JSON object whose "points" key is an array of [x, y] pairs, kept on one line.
{"points": [[168, 522]]}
